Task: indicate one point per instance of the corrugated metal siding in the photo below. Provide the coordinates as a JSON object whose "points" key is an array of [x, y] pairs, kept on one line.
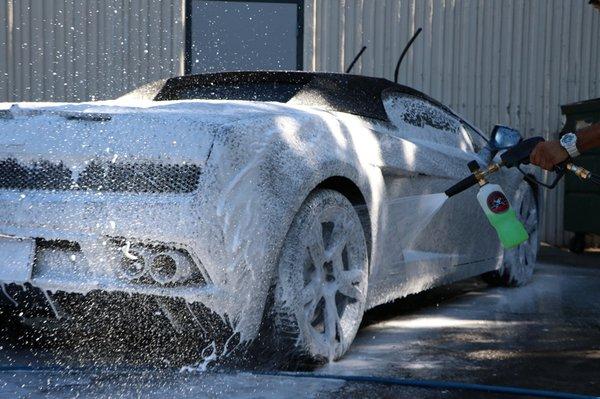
{"points": [[511, 62], [59, 50]]}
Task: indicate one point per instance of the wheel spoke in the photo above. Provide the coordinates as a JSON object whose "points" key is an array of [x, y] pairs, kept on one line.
{"points": [[315, 247], [339, 238], [310, 292], [528, 199], [531, 221], [522, 253], [310, 309], [349, 281], [332, 318], [351, 291], [335, 249], [338, 265], [340, 332], [354, 276], [522, 201], [527, 211]]}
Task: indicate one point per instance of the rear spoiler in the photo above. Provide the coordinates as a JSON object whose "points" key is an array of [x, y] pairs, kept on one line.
{"points": [[15, 111]]}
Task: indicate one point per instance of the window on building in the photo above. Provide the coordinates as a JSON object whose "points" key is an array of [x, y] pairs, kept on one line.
{"points": [[236, 35]]}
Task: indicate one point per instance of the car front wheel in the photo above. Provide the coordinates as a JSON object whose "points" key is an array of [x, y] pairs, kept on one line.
{"points": [[322, 279]]}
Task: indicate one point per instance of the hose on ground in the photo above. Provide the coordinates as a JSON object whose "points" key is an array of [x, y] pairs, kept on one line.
{"points": [[432, 384], [390, 381]]}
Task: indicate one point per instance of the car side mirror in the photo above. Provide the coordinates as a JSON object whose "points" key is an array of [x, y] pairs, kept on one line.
{"points": [[504, 137]]}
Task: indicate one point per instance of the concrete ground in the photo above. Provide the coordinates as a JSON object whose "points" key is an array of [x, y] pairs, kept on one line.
{"points": [[545, 336]]}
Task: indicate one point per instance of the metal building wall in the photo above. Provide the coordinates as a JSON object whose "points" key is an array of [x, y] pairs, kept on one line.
{"points": [[508, 61], [70, 50], [511, 61]]}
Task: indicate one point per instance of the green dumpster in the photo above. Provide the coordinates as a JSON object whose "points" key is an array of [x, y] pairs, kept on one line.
{"points": [[582, 199]]}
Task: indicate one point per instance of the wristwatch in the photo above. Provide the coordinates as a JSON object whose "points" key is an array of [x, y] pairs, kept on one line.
{"points": [[569, 143]]}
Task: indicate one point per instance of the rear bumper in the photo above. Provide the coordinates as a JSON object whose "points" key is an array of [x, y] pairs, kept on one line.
{"points": [[77, 233]]}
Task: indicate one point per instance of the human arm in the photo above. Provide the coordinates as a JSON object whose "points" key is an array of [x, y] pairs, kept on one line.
{"points": [[550, 153]]}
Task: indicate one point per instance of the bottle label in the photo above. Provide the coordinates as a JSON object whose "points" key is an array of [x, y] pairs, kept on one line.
{"points": [[497, 202]]}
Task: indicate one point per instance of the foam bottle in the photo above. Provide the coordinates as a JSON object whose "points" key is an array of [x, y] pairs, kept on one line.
{"points": [[502, 217]]}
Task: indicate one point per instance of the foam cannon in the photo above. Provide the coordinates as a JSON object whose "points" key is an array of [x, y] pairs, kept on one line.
{"points": [[492, 198]]}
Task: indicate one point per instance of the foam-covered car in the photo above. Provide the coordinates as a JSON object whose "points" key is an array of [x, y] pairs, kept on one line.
{"points": [[287, 202]]}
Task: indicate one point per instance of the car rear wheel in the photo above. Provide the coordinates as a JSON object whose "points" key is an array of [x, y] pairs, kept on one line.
{"points": [[519, 262], [321, 288]]}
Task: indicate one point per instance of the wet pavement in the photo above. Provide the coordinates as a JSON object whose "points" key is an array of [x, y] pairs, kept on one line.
{"points": [[544, 336]]}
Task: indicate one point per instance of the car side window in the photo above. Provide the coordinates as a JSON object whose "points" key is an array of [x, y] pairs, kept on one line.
{"points": [[418, 118], [475, 137]]}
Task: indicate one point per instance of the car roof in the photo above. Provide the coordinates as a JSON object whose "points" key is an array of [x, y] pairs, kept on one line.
{"points": [[353, 94]]}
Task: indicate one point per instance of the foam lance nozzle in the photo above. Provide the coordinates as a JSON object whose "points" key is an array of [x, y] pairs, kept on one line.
{"points": [[462, 185], [477, 176]]}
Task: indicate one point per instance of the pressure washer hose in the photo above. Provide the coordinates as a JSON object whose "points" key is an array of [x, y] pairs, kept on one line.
{"points": [[432, 384], [390, 381]]}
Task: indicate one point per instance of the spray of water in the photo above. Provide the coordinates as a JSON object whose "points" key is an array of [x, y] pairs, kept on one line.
{"points": [[406, 217], [416, 212]]}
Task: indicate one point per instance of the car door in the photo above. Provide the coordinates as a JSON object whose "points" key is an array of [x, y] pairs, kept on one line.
{"points": [[424, 153]]}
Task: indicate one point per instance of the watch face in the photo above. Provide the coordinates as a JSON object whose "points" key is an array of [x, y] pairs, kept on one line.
{"points": [[568, 139]]}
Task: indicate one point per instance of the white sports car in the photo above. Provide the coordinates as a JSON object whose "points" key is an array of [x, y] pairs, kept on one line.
{"points": [[286, 202]]}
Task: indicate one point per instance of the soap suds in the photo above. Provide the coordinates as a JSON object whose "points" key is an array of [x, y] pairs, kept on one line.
{"points": [[258, 162]]}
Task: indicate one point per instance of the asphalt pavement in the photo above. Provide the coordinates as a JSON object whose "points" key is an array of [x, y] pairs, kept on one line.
{"points": [[542, 336]]}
